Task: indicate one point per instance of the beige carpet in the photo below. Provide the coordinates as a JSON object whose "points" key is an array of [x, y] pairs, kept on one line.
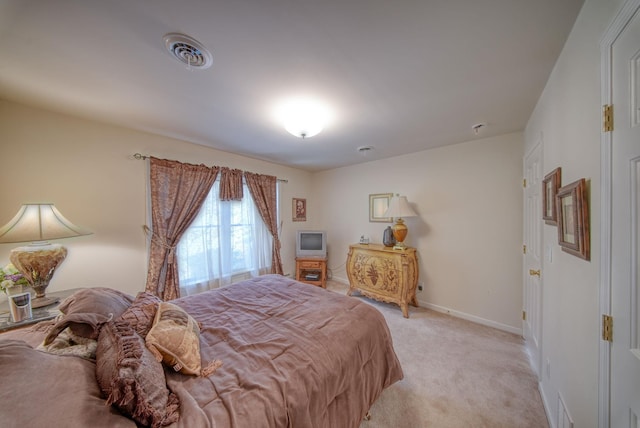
{"points": [[456, 374]]}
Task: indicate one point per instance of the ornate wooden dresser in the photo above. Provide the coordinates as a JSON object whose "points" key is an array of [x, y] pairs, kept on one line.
{"points": [[384, 274]]}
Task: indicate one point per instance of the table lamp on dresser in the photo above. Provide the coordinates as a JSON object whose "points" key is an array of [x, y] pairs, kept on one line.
{"points": [[37, 261], [399, 208]]}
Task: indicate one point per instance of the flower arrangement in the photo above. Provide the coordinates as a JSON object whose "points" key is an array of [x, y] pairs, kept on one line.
{"points": [[10, 277]]}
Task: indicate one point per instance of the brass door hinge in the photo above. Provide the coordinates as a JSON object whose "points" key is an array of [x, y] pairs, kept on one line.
{"points": [[524, 183], [524, 249], [607, 118], [524, 315], [607, 328]]}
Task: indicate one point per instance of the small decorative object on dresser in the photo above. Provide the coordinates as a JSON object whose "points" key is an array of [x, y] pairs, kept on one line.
{"points": [[387, 237], [384, 274]]}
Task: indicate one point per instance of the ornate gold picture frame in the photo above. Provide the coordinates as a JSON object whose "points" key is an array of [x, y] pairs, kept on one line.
{"points": [[573, 219], [378, 205], [550, 187]]}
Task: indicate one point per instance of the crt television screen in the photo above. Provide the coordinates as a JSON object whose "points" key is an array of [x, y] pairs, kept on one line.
{"points": [[311, 241]]}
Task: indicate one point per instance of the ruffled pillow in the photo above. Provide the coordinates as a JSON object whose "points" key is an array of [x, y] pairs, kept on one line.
{"points": [[141, 313], [131, 378]]}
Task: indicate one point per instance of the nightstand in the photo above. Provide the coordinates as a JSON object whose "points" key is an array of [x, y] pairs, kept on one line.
{"points": [[312, 270], [39, 314]]}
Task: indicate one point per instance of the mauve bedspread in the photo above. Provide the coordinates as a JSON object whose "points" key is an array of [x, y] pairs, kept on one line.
{"points": [[293, 355]]}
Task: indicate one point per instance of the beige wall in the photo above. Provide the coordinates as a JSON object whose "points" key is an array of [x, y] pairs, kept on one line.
{"points": [[88, 171], [468, 232], [468, 196], [567, 119]]}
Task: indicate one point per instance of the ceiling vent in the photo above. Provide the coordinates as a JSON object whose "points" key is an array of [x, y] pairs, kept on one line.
{"points": [[188, 51]]}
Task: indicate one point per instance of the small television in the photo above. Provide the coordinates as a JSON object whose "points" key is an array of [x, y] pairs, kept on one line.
{"points": [[311, 243]]}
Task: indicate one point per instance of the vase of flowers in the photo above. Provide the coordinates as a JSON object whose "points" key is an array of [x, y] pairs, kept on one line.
{"points": [[11, 281]]}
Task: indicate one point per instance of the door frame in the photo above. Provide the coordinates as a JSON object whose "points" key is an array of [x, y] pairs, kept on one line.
{"points": [[536, 365], [622, 18]]}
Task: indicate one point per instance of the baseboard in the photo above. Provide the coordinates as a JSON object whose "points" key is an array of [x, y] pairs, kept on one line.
{"points": [[545, 404], [472, 318], [457, 314]]}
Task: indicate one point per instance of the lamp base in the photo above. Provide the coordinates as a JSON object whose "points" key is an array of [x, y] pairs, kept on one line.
{"points": [[399, 233], [38, 262], [41, 302]]}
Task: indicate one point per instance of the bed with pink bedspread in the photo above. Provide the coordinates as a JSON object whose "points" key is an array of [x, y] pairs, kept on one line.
{"points": [[290, 355]]}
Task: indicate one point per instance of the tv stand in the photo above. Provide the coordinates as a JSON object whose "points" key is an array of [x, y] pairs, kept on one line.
{"points": [[312, 270]]}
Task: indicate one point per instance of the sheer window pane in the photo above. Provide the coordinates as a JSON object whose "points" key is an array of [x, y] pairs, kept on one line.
{"points": [[227, 240]]}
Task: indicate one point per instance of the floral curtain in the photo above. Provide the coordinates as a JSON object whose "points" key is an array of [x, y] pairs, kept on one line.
{"points": [[177, 193], [263, 189], [230, 184]]}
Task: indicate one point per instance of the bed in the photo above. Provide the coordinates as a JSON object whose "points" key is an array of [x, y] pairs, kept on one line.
{"points": [[273, 352]]}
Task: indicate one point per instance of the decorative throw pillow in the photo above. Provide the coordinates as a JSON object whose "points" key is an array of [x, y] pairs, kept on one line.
{"points": [[86, 310], [141, 313], [131, 378], [174, 339]]}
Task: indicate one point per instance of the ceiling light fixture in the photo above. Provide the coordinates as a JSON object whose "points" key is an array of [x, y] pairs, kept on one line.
{"points": [[188, 51], [303, 117]]}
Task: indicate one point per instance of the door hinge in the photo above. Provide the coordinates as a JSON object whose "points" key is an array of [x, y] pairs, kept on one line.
{"points": [[607, 328], [607, 117], [524, 249], [524, 183], [524, 315]]}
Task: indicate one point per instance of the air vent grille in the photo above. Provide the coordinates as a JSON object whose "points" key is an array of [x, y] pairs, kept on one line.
{"points": [[188, 51]]}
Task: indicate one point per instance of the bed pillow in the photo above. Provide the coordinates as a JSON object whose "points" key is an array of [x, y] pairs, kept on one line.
{"points": [[141, 313], [131, 378], [86, 310], [174, 339]]}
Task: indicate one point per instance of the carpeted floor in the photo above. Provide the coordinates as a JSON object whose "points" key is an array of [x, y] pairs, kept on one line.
{"points": [[456, 374]]}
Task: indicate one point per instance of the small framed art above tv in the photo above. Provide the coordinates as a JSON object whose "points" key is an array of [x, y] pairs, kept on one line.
{"points": [[299, 209]]}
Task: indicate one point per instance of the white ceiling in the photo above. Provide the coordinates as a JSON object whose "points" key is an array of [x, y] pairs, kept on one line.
{"points": [[401, 76]]}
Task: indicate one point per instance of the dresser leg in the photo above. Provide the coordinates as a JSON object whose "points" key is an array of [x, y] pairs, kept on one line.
{"points": [[405, 309]]}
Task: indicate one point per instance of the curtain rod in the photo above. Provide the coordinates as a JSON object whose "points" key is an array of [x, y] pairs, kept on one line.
{"points": [[145, 157]]}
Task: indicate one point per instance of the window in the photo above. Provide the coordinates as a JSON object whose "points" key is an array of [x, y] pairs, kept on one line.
{"points": [[227, 242]]}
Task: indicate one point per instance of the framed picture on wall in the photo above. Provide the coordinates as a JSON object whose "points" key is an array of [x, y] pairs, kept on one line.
{"points": [[378, 205], [573, 219], [299, 209], [550, 186]]}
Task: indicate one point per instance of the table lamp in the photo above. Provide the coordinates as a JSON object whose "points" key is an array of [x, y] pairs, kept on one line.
{"points": [[398, 208], [37, 224]]}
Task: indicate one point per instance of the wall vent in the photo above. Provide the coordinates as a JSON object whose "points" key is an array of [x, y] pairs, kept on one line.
{"points": [[188, 51]]}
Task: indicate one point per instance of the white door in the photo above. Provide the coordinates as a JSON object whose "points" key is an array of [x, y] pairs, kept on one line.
{"points": [[625, 232], [532, 285]]}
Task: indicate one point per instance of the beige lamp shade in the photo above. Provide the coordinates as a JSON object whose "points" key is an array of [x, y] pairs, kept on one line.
{"points": [[37, 224], [398, 208]]}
